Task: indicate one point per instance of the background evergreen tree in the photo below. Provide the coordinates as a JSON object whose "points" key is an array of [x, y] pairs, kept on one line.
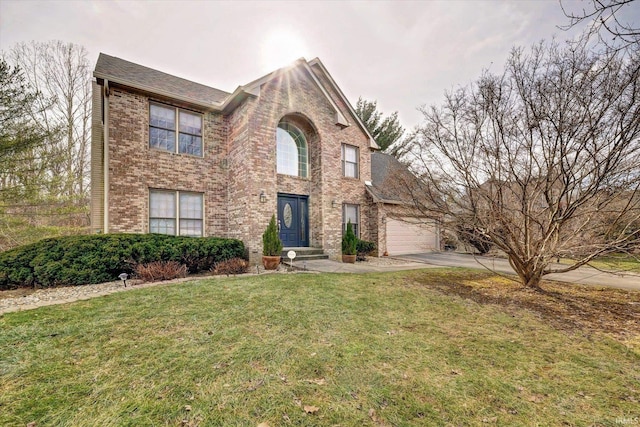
{"points": [[386, 131]]}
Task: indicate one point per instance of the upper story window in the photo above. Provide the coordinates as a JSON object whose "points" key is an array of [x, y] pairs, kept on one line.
{"points": [[350, 161], [162, 130], [292, 151]]}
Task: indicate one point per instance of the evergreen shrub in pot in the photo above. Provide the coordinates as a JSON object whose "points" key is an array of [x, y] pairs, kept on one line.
{"points": [[349, 245], [271, 246]]}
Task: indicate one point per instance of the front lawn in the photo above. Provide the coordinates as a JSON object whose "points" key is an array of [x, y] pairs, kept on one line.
{"points": [[395, 349], [618, 262]]}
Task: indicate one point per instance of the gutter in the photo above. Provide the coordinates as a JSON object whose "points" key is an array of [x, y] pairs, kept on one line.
{"points": [[231, 100], [105, 148], [377, 199]]}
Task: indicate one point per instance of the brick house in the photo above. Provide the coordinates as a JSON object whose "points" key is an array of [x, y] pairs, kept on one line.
{"points": [[177, 157]]}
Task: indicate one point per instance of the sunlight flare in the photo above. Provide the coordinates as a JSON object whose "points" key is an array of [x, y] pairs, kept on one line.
{"points": [[280, 48]]}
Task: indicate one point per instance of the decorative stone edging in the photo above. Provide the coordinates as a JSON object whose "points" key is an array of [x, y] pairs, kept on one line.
{"points": [[67, 294]]}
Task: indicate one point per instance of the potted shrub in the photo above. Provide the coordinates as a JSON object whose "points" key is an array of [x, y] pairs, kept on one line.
{"points": [[271, 246], [349, 245]]}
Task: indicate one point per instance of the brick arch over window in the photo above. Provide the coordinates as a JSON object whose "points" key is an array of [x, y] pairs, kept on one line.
{"points": [[294, 134]]}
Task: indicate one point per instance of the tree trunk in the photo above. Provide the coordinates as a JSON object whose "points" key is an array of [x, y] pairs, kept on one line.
{"points": [[530, 275]]}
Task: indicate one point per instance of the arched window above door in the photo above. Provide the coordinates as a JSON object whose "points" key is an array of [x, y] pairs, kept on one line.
{"points": [[292, 150]]}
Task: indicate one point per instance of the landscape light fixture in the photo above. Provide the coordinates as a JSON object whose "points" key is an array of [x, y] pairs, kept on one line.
{"points": [[124, 277]]}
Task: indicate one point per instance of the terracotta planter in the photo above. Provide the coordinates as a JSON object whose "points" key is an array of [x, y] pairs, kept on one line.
{"points": [[270, 262], [350, 259]]}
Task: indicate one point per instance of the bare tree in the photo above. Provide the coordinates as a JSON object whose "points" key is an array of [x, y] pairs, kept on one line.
{"points": [[60, 71], [542, 161], [43, 187], [607, 19]]}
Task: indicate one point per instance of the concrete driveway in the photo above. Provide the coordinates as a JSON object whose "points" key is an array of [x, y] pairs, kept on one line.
{"points": [[583, 275]]}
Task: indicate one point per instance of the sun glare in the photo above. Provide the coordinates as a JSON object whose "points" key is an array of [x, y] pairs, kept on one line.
{"points": [[280, 48]]}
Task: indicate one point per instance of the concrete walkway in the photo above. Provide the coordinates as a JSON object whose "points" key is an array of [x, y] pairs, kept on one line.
{"points": [[583, 275], [331, 266]]}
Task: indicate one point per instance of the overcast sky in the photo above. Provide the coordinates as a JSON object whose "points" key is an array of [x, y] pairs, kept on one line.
{"points": [[402, 54]]}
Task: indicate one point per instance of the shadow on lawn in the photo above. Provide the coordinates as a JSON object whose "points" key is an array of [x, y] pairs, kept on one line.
{"points": [[566, 306]]}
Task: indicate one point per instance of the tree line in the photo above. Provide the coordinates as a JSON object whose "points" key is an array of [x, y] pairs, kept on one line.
{"points": [[45, 113]]}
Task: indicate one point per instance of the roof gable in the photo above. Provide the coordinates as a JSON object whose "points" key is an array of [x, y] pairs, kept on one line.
{"points": [[391, 181], [317, 63], [119, 71]]}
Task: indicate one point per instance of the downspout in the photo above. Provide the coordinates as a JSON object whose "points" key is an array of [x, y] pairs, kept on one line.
{"points": [[105, 166]]}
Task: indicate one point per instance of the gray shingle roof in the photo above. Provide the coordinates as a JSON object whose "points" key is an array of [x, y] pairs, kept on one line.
{"points": [[389, 179], [123, 72]]}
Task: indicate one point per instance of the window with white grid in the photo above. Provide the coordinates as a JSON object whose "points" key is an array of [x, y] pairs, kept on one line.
{"points": [[350, 161], [162, 130], [350, 213], [291, 150], [170, 208]]}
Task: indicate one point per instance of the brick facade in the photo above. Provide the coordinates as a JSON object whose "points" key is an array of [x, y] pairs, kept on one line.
{"points": [[239, 159]]}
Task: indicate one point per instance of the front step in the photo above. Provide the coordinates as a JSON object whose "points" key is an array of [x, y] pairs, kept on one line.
{"points": [[304, 254]]}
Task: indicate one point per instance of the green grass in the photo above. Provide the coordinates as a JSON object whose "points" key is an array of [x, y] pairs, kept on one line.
{"points": [[367, 350], [617, 262]]}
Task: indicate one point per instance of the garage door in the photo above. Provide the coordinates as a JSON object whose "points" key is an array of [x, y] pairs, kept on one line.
{"points": [[405, 237]]}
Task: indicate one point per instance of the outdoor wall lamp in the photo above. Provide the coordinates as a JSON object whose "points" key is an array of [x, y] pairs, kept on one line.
{"points": [[334, 203], [263, 197]]}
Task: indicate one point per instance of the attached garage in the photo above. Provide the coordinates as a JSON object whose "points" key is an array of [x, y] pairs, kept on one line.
{"points": [[409, 236], [399, 227]]}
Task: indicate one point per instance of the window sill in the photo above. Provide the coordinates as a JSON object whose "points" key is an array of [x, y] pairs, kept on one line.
{"points": [[173, 153], [294, 177]]}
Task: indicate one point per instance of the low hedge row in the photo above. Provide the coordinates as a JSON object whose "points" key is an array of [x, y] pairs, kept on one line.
{"points": [[80, 260], [364, 248]]}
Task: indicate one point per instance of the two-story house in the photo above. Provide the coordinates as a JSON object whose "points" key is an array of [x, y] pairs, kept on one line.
{"points": [[177, 157]]}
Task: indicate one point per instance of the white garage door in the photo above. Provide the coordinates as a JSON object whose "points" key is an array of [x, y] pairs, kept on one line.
{"points": [[404, 237]]}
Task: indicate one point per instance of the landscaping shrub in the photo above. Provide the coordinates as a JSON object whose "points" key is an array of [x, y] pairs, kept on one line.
{"points": [[80, 260], [271, 243], [160, 270], [231, 266], [349, 241], [364, 248]]}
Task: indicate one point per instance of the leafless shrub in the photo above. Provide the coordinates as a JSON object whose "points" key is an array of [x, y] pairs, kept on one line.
{"points": [[231, 266], [160, 270]]}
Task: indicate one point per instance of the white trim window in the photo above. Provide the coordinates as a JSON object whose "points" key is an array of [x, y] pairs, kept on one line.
{"points": [[351, 212], [291, 151], [162, 130], [350, 156], [168, 208]]}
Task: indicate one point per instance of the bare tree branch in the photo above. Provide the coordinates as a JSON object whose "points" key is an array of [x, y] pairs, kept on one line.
{"points": [[607, 19], [541, 161]]}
